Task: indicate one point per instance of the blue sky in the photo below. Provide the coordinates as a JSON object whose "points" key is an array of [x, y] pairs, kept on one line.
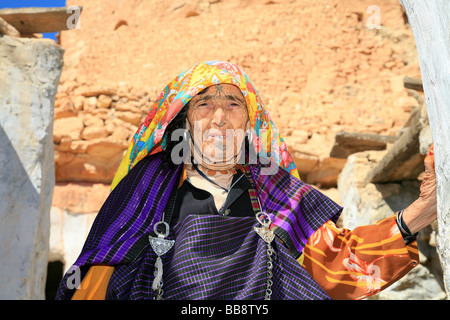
{"points": [[33, 3]]}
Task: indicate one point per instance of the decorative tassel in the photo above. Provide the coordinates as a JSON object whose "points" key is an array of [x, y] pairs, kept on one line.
{"points": [[157, 282]]}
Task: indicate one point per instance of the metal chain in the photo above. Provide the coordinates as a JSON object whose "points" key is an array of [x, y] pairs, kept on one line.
{"points": [[267, 235], [271, 255]]}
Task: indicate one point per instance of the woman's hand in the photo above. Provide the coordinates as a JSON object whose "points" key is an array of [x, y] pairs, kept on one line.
{"points": [[423, 211]]}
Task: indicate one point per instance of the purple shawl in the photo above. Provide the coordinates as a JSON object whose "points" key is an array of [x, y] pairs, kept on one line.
{"points": [[121, 229]]}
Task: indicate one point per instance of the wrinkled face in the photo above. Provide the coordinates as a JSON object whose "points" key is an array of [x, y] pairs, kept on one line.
{"points": [[218, 119]]}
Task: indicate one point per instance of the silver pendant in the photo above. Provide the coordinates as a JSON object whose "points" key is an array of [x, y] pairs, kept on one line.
{"points": [[267, 235], [161, 246], [264, 231]]}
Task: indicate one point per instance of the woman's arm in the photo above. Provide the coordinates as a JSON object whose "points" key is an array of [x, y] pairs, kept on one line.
{"points": [[354, 264]]}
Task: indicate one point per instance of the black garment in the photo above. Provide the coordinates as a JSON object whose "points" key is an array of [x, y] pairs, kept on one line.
{"points": [[192, 200]]}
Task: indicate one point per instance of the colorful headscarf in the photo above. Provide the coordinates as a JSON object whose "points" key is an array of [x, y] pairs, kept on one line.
{"points": [[149, 138]]}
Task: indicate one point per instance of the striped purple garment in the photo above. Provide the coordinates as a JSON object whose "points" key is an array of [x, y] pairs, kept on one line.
{"points": [[214, 257]]}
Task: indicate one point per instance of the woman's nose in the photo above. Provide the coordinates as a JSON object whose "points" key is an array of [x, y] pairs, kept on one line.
{"points": [[219, 117]]}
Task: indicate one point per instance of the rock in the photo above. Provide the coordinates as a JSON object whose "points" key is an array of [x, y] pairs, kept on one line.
{"points": [[62, 158], [128, 107], [130, 117], [325, 175], [90, 133], [64, 108], [314, 164], [90, 104], [78, 102], [29, 74], [106, 150], [296, 137], [78, 146], [98, 162], [89, 120], [94, 90], [332, 193], [68, 127], [104, 101], [80, 197], [63, 144], [347, 143], [119, 133], [425, 140], [366, 203]]}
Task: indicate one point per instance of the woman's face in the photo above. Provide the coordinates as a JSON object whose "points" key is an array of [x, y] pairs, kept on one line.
{"points": [[218, 119]]}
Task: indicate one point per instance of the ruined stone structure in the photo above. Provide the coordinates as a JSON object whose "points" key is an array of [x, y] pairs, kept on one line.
{"points": [[29, 77]]}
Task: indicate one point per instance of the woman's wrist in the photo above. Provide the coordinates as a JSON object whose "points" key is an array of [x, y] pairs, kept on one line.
{"points": [[419, 215], [408, 237]]}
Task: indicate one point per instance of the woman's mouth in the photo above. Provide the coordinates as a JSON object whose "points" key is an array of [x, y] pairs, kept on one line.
{"points": [[215, 137]]}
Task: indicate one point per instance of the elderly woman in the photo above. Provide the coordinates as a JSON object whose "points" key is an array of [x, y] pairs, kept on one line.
{"points": [[208, 204]]}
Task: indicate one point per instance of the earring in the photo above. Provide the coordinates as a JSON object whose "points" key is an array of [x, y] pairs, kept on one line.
{"points": [[186, 135], [250, 136]]}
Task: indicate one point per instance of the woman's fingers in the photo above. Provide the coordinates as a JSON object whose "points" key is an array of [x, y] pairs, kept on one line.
{"points": [[428, 186], [429, 160]]}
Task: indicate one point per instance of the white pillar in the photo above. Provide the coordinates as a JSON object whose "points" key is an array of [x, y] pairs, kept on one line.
{"points": [[430, 23], [29, 78]]}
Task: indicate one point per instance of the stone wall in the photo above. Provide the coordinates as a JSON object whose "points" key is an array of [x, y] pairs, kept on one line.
{"points": [[317, 65], [29, 76]]}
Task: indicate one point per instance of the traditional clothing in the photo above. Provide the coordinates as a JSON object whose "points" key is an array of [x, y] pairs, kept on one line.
{"points": [[218, 254]]}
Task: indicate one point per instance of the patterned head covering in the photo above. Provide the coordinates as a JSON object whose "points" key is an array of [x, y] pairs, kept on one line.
{"points": [[150, 139]]}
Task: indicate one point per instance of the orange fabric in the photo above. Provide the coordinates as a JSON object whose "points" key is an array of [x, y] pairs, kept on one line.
{"points": [[358, 263], [94, 284]]}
